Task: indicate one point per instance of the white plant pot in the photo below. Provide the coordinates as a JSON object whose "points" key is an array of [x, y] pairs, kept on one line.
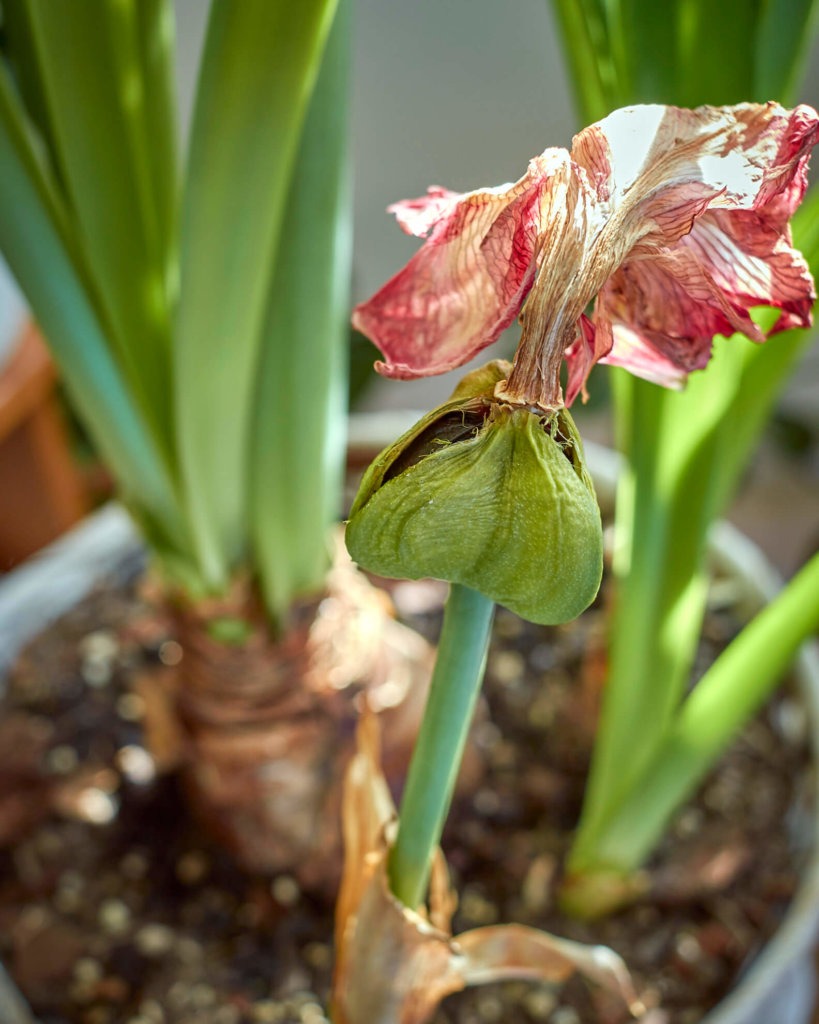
{"points": [[780, 986]]}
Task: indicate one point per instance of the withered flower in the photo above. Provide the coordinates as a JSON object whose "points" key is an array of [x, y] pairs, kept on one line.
{"points": [[675, 221]]}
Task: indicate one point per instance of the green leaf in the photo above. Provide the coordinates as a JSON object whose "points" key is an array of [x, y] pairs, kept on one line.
{"points": [[654, 568], [586, 31], [647, 28], [686, 451], [715, 52], [92, 62], [745, 380], [37, 244], [24, 58], [155, 33], [297, 458], [732, 690], [806, 229], [258, 71], [783, 39]]}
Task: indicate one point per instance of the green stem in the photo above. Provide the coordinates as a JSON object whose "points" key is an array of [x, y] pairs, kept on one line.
{"points": [[456, 682]]}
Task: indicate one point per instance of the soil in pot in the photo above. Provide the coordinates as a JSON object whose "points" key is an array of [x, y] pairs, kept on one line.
{"points": [[115, 908]]}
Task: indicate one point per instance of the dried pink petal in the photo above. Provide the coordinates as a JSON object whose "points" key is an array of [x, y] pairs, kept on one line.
{"points": [[731, 178], [676, 221], [418, 216], [467, 283]]}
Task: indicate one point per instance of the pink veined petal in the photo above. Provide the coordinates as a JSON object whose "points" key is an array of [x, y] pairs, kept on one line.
{"points": [[747, 154], [467, 283], [701, 199], [636, 354], [676, 219], [593, 344], [787, 179], [664, 313], [753, 264], [417, 216]]}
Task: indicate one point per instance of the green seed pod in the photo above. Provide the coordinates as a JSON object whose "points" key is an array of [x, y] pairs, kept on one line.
{"points": [[488, 495]]}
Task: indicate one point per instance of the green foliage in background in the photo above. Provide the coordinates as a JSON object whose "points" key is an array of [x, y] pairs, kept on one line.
{"points": [[198, 313], [685, 452]]}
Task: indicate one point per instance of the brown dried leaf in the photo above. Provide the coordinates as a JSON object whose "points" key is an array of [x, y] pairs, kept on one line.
{"points": [[394, 965]]}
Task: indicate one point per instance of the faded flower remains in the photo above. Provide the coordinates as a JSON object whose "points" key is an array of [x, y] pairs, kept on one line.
{"points": [[674, 223], [675, 220]]}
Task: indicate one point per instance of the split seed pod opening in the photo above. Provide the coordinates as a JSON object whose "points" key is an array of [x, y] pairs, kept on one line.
{"points": [[488, 495]]}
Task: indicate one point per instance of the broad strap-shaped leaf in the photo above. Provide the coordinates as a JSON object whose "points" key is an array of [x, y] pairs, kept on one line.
{"points": [[258, 71], [155, 33], [708, 71], [297, 455], [785, 32], [37, 243], [732, 690], [102, 69], [20, 49], [686, 450], [584, 27]]}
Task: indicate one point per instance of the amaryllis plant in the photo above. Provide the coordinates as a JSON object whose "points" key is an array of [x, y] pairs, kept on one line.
{"points": [[661, 228]]}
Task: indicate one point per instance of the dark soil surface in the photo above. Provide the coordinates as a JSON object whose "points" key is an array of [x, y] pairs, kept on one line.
{"points": [[115, 908]]}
